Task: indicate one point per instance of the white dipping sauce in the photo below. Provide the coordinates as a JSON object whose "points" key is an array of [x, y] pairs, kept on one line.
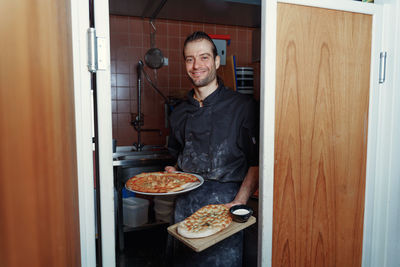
{"points": [[240, 212]]}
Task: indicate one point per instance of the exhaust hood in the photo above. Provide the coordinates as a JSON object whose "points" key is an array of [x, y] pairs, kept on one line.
{"points": [[245, 13]]}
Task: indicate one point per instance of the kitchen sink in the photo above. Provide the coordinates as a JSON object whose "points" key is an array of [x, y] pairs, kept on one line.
{"points": [[142, 158]]}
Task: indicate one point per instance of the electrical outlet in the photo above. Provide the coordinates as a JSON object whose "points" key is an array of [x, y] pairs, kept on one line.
{"points": [[165, 61]]}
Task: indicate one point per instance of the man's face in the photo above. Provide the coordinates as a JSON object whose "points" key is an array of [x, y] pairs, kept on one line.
{"points": [[201, 66]]}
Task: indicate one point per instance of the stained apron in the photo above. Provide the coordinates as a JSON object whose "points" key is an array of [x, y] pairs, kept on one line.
{"points": [[227, 253]]}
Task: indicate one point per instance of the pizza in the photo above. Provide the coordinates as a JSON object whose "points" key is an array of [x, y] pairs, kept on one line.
{"points": [[206, 221], [161, 182]]}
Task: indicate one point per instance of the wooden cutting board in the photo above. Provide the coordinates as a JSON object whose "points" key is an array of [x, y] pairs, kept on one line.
{"points": [[200, 244]]}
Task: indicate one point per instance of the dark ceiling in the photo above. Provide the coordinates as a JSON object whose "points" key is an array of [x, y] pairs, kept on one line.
{"points": [[226, 12]]}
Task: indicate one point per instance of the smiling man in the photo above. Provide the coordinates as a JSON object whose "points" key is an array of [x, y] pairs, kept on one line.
{"points": [[213, 134]]}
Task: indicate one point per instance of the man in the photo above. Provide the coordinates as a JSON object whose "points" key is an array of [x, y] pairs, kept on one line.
{"points": [[213, 134]]}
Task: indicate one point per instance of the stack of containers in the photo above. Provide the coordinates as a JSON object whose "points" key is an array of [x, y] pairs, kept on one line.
{"points": [[245, 80]]}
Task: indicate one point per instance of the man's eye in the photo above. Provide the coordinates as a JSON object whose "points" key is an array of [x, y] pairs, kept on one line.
{"points": [[204, 58], [188, 60]]}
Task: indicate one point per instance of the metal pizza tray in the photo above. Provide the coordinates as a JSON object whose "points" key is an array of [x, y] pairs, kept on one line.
{"points": [[201, 179]]}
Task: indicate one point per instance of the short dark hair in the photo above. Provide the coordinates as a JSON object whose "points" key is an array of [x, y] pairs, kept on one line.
{"points": [[199, 35]]}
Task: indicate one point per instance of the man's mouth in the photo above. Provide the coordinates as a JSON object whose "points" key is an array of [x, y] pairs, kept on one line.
{"points": [[196, 74]]}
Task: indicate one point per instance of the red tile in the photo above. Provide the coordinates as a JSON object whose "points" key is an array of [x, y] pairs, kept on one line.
{"points": [[174, 43], [123, 106], [243, 35], [175, 67], [114, 120], [124, 120], [118, 40], [163, 81], [136, 25], [210, 29], [175, 81], [118, 23], [173, 29], [113, 92], [113, 80], [232, 32], [133, 55], [198, 27], [186, 29], [122, 53], [186, 83], [161, 28], [122, 79], [136, 40], [115, 133], [175, 55], [113, 67], [114, 106], [162, 43], [123, 93], [134, 105], [122, 67], [126, 135]]}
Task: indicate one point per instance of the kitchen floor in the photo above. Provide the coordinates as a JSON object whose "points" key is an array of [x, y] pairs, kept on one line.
{"points": [[146, 247]]}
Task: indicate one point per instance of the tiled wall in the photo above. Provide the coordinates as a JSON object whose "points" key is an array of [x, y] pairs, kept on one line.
{"points": [[130, 39]]}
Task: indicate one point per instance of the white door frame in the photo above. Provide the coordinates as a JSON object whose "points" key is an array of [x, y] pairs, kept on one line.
{"points": [[84, 119], [83, 125], [376, 196]]}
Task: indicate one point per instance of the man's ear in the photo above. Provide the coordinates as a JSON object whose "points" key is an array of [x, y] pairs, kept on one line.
{"points": [[217, 61]]}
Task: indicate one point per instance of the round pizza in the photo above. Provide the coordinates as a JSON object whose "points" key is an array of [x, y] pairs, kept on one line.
{"points": [[161, 182], [206, 221]]}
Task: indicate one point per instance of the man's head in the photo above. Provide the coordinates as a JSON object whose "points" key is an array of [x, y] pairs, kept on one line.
{"points": [[201, 59], [200, 36]]}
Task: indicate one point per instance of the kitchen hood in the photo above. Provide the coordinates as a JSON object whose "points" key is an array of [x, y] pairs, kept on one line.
{"points": [[245, 13]]}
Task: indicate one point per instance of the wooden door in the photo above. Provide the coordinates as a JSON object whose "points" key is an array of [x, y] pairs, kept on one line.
{"points": [[39, 223], [322, 96]]}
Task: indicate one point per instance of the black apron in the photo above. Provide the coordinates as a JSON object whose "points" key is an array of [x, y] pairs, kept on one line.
{"points": [[227, 253]]}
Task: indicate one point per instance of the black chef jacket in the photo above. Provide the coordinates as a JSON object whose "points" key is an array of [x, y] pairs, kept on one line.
{"points": [[219, 140]]}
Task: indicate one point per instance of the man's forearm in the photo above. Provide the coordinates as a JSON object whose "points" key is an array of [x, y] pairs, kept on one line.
{"points": [[248, 187]]}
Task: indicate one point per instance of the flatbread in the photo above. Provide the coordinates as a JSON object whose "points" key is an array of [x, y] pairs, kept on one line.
{"points": [[207, 221]]}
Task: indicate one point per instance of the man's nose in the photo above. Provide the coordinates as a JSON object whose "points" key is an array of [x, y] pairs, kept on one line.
{"points": [[196, 63]]}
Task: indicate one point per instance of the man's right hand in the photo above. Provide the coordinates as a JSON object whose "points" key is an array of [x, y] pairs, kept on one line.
{"points": [[170, 169]]}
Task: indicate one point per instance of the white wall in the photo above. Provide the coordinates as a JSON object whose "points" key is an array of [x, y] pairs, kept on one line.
{"points": [[393, 225], [385, 242]]}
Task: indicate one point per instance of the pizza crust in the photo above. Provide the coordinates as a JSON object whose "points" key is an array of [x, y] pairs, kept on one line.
{"points": [[206, 221], [207, 232]]}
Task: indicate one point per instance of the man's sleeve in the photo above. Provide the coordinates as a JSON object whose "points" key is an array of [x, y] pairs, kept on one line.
{"points": [[250, 133], [174, 146]]}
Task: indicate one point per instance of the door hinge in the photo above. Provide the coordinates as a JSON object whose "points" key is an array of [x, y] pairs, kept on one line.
{"points": [[382, 67], [97, 51]]}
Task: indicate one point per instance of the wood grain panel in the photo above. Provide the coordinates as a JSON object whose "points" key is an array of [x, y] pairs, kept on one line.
{"points": [[39, 224], [322, 95]]}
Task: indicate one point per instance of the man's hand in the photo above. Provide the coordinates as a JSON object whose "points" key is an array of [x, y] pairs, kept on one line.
{"points": [[248, 187], [233, 203], [170, 169]]}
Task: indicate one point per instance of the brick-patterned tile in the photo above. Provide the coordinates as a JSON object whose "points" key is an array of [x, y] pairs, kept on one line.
{"points": [[114, 106], [122, 79], [135, 25], [122, 67], [173, 29], [123, 106], [123, 93], [113, 92], [124, 120]]}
